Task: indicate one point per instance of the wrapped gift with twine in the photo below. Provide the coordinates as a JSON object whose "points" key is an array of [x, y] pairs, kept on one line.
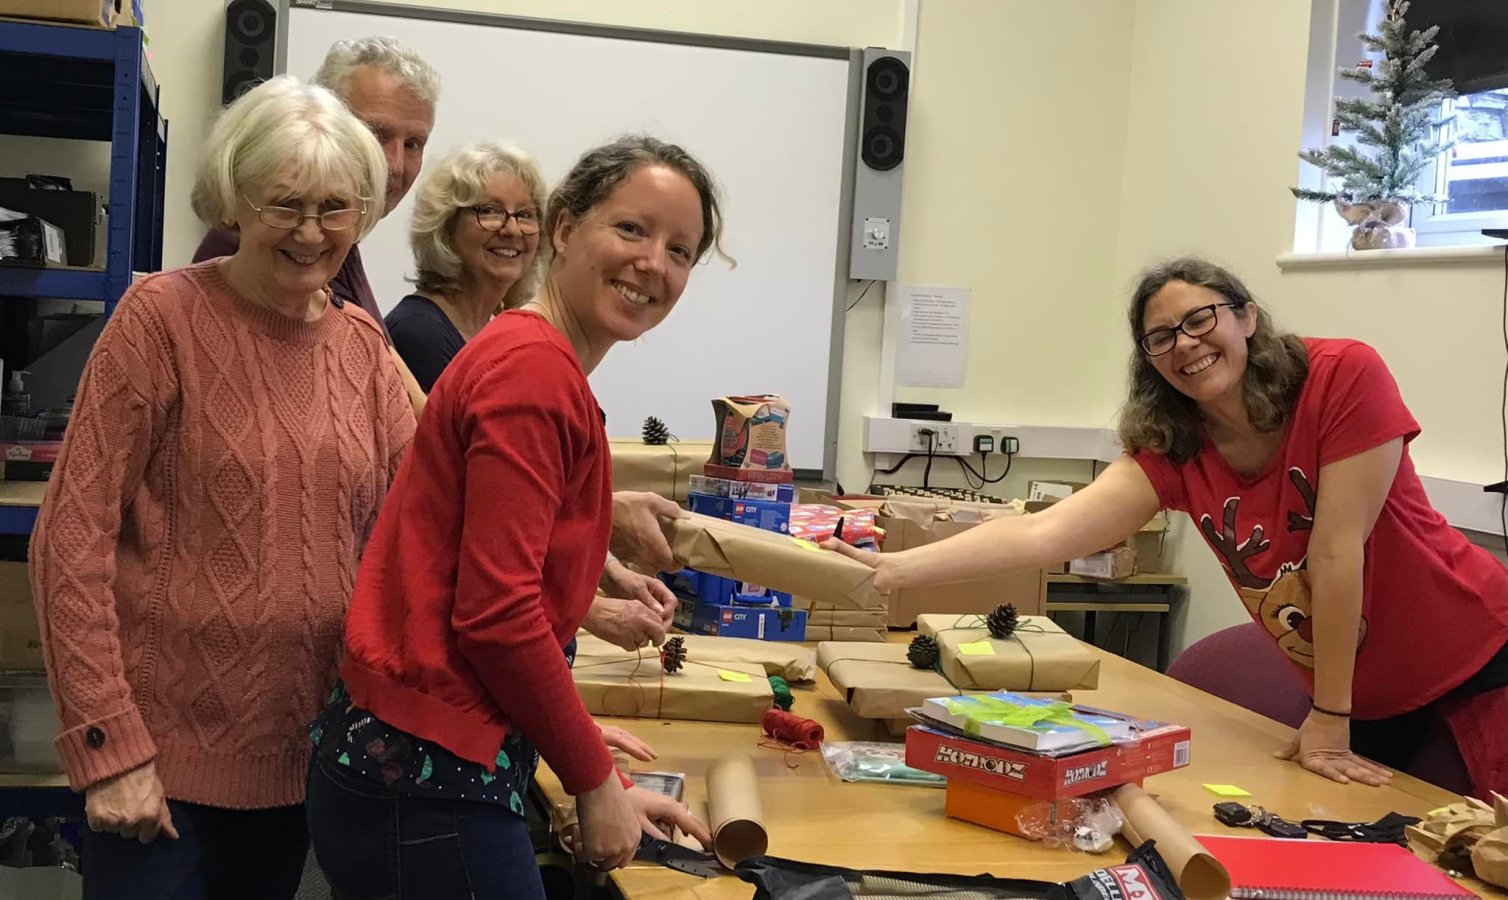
{"points": [[789, 660], [776, 561], [879, 682], [1036, 656], [663, 469], [638, 687]]}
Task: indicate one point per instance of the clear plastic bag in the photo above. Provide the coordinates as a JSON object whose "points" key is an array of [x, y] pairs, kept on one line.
{"points": [[1088, 824], [875, 761]]}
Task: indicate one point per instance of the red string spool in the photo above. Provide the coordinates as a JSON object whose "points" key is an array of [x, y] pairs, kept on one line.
{"points": [[793, 730]]}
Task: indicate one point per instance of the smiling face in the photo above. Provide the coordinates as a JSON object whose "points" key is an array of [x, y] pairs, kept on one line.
{"points": [[499, 257], [1205, 368], [293, 262], [623, 265], [400, 119]]}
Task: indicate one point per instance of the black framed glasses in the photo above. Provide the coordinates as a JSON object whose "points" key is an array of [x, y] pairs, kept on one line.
{"points": [[1197, 323], [495, 218], [288, 217]]}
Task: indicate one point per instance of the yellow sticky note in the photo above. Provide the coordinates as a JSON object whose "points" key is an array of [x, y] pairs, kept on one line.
{"points": [[977, 648], [1226, 790], [805, 544], [725, 675]]}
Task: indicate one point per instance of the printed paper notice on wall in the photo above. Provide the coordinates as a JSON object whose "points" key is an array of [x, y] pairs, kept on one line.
{"points": [[934, 346]]}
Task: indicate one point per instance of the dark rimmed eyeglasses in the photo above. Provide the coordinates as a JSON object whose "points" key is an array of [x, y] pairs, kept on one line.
{"points": [[1197, 323], [495, 218], [288, 217]]}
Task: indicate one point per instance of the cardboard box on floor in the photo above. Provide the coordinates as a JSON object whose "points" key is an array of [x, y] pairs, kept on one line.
{"points": [[20, 638]]}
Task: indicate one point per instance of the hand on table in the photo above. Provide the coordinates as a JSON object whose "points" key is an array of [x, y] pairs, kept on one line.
{"points": [[1323, 746]]}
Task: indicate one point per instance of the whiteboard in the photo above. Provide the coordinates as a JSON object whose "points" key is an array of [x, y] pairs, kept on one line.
{"points": [[771, 121]]}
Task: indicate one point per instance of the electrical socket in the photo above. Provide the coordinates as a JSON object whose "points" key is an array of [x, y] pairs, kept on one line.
{"points": [[942, 440]]}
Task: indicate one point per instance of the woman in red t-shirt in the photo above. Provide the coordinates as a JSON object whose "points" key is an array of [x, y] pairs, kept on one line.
{"points": [[1292, 456]]}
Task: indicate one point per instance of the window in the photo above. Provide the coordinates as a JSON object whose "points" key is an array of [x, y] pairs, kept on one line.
{"points": [[1473, 174]]}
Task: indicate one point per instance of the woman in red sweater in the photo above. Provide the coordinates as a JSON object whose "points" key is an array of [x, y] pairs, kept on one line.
{"points": [[485, 561], [235, 432], [1292, 456]]}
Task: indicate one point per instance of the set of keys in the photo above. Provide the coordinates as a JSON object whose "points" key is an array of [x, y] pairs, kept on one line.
{"points": [[1240, 816]]}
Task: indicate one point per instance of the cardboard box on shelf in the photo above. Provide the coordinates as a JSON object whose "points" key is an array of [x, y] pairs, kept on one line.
{"points": [[1107, 565], [663, 469], [100, 13], [20, 637]]}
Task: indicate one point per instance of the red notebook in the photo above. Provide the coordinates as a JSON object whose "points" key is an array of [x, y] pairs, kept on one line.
{"points": [[1275, 869]]}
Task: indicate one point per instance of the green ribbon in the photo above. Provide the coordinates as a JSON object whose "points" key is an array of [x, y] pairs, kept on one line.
{"points": [[989, 710]]}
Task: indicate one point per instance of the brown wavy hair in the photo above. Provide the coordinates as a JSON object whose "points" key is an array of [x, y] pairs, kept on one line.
{"points": [[1159, 417]]}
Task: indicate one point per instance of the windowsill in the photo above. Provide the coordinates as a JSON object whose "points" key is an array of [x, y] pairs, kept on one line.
{"points": [[1413, 256]]}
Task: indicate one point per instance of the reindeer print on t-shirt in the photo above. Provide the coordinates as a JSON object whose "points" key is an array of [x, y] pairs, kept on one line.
{"points": [[1282, 603]]}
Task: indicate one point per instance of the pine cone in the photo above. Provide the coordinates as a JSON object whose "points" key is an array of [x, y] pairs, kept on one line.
{"points": [[673, 655], [923, 651], [1002, 621], [655, 431]]}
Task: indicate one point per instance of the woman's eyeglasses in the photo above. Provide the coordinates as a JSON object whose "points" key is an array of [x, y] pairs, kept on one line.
{"points": [[495, 218], [288, 217], [1196, 324]]}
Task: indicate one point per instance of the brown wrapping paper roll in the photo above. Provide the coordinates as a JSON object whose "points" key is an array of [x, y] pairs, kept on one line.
{"points": [[1200, 875], [733, 811]]}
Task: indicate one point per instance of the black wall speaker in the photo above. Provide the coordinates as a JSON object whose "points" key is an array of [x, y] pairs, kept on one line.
{"points": [[887, 83], [250, 36]]}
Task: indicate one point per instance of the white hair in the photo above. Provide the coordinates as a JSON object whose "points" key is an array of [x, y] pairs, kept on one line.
{"points": [[284, 129], [453, 182], [386, 53]]}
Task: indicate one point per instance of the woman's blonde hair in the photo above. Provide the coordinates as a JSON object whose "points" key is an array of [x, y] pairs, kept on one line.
{"points": [[285, 129], [452, 183], [1159, 417]]}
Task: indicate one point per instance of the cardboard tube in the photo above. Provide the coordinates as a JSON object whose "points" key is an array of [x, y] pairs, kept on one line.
{"points": [[733, 808], [1200, 876]]}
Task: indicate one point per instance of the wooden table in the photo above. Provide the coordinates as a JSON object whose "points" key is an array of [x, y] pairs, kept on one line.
{"points": [[1152, 592], [811, 816]]}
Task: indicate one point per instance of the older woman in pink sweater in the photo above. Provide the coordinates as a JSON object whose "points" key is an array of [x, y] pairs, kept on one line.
{"points": [[235, 432]]}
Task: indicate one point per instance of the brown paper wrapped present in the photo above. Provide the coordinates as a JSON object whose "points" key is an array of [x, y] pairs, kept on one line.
{"points": [[787, 659], [845, 618], [663, 469], [1469, 831], [817, 633], [700, 692], [776, 561], [1040, 656], [879, 683]]}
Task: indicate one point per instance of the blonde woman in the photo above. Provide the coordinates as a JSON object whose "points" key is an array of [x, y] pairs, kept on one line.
{"points": [[235, 433], [475, 237]]}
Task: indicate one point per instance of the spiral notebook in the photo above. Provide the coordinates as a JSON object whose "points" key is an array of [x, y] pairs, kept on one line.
{"points": [[1275, 869]]}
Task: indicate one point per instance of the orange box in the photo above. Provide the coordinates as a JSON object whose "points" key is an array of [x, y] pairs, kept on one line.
{"points": [[996, 809]]}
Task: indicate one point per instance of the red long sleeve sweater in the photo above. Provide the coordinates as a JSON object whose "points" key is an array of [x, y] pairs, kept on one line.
{"points": [[486, 557]]}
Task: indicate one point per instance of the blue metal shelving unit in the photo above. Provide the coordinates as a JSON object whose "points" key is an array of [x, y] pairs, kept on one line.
{"points": [[88, 84]]}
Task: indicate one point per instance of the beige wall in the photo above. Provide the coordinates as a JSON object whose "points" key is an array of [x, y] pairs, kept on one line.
{"points": [[1053, 150]]}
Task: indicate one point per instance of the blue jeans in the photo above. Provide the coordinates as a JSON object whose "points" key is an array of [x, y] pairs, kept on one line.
{"points": [[220, 854], [375, 843]]}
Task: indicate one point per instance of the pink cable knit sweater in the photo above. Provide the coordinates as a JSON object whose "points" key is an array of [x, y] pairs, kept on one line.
{"points": [[200, 536]]}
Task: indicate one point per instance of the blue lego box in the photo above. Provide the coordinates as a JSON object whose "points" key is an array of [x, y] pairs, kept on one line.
{"points": [[769, 624], [764, 514], [705, 588]]}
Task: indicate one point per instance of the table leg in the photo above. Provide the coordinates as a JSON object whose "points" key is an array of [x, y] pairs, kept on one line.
{"points": [[1163, 639], [1089, 624]]}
